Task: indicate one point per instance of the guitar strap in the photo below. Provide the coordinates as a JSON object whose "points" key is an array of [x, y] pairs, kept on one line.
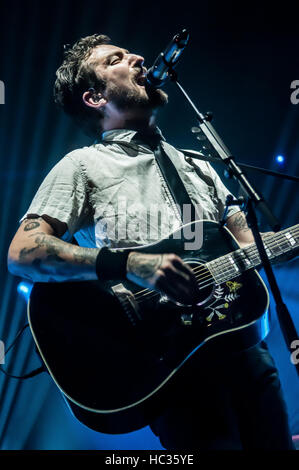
{"points": [[171, 176], [175, 184]]}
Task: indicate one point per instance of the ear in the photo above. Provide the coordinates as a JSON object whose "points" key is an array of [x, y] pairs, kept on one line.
{"points": [[93, 99]]}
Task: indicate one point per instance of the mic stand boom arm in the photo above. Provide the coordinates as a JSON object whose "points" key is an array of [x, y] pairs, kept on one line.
{"points": [[254, 201], [265, 171]]}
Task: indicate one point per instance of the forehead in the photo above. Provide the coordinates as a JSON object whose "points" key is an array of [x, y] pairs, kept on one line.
{"points": [[100, 53]]}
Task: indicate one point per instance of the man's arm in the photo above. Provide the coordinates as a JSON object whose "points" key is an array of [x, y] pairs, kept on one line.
{"points": [[37, 254], [237, 225]]}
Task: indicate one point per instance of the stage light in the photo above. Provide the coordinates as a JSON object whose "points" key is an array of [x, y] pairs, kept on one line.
{"points": [[280, 159], [24, 288]]}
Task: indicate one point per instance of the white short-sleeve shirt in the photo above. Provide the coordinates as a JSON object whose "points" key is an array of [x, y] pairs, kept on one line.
{"points": [[113, 193]]}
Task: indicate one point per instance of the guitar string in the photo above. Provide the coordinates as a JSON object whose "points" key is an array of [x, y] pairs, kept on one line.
{"points": [[225, 267], [241, 255], [248, 251], [210, 281], [251, 253], [229, 273], [230, 269]]}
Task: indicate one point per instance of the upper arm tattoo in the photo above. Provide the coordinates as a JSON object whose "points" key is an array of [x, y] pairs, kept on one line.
{"points": [[240, 223], [31, 224]]}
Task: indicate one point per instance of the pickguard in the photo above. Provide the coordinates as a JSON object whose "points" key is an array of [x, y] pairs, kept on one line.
{"points": [[223, 297]]}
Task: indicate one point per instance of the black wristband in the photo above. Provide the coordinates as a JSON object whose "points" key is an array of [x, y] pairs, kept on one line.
{"points": [[111, 265]]}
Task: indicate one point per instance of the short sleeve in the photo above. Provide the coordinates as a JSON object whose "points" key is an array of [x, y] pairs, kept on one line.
{"points": [[62, 196], [222, 192]]}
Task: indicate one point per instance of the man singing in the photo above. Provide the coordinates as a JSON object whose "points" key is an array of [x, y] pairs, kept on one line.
{"points": [[115, 183]]}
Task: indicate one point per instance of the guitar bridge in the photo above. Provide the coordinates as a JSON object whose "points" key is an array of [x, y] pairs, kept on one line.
{"points": [[128, 302]]}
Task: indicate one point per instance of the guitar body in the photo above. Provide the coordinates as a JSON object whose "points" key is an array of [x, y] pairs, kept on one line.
{"points": [[115, 352]]}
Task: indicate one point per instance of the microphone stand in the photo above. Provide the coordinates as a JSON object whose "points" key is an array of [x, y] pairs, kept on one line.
{"points": [[253, 201], [265, 171]]}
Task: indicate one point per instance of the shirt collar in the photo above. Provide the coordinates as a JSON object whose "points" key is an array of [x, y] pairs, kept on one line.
{"points": [[130, 136]]}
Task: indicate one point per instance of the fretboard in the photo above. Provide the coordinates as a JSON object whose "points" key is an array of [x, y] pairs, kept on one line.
{"points": [[233, 264]]}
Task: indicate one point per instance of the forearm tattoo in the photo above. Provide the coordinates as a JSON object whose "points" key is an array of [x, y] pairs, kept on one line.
{"points": [[57, 260], [143, 266]]}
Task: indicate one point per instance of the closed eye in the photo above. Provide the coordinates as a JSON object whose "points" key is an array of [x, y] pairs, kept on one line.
{"points": [[115, 58]]}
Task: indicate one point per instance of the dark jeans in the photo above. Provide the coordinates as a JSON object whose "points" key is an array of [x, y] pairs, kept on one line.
{"points": [[232, 403]]}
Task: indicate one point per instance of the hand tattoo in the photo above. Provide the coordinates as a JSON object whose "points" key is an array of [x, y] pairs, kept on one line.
{"points": [[143, 266]]}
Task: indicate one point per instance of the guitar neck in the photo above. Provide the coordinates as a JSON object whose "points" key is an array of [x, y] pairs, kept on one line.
{"points": [[235, 263]]}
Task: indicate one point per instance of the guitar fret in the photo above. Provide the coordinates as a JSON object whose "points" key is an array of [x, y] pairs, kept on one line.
{"points": [[216, 269], [212, 267], [233, 264], [223, 268], [230, 258], [290, 239], [285, 245], [276, 249]]}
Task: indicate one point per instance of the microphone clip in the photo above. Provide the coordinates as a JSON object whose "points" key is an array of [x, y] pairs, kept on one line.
{"points": [[162, 70]]}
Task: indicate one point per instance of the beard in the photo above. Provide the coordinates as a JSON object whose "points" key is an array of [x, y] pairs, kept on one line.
{"points": [[126, 99]]}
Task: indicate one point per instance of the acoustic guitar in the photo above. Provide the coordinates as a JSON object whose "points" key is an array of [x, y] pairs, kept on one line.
{"points": [[114, 349]]}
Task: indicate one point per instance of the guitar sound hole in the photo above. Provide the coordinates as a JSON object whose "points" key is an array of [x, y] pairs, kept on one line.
{"points": [[205, 286]]}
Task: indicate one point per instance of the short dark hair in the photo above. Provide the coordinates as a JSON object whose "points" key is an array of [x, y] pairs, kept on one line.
{"points": [[76, 75]]}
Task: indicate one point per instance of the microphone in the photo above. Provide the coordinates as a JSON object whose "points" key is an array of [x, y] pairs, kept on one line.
{"points": [[158, 74]]}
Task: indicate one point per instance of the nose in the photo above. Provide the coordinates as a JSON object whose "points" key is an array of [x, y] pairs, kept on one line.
{"points": [[135, 59]]}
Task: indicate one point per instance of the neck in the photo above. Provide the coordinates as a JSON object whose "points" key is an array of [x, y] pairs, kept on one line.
{"points": [[142, 122]]}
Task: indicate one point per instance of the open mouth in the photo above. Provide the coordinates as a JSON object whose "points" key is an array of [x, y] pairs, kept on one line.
{"points": [[141, 80], [141, 77]]}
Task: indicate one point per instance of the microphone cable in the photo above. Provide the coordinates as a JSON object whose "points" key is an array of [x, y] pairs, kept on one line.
{"points": [[34, 372]]}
